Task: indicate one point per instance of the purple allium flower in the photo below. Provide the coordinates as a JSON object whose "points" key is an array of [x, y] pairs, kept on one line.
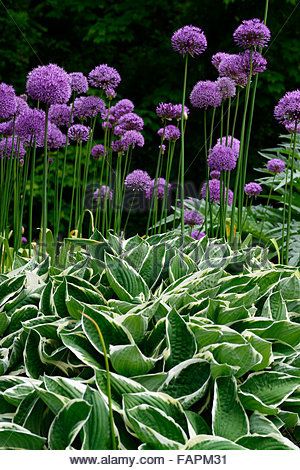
{"points": [[215, 192], [30, 126], [98, 151], [8, 104], [105, 77], [217, 58], [189, 40], [88, 106], [22, 105], [292, 126], [221, 158], [129, 122], [79, 83], [122, 107], [79, 133], [192, 217], [138, 180], [55, 138], [24, 240], [132, 139], [226, 87], [49, 84], [170, 133], [6, 128], [162, 148], [232, 142], [60, 114], [205, 94], [12, 148], [252, 33], [259, 63], [165, 111], [231, 66], [288, 108], [252, 189], [178, 111], [117, 146], [102, 193], [275, 165], [197, 235], [158, 188], [215, 174]]}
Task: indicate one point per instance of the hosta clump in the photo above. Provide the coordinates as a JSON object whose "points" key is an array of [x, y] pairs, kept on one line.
{"points": [[200, 356]]}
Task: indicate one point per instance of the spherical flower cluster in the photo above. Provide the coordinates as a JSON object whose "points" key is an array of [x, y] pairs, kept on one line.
{"points": [[215, 174], [252, 189], [192, 217], [117, 146], [8, 103], [259, 63], [226, 86], [292, 127], [197, 235], [189, 40], [21, 104], [105, 77], [60, 114], [79, 83], [169, 111], [217, 59], [205, 94], [129, 122], [132, 139], [12, 148], [232, 142], [79, 133], [49, 84], [288, 109], [252, 33], [275, 165], [102, 193], [231, 66], [98, 151], [30, 126], [158, 187], [178, 111], [221, 158], [170, 133], [122, 107], [88, 106], [55, 138], [6, 128], [215, 192], [138, 180]]}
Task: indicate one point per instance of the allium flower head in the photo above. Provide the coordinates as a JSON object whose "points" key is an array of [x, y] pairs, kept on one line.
{"points": [[189, 40], [8, 104], [232, 66], [6, 128], [226, 87], [12, 148], [232, 142], [122, 107], [217, 59], [215, 174], [102, 193], [275, 165], [170, 133], [215, 192], [79, 83], [129, 122], [221, 158], [138, 180], [79, 133], [21, 105], [252, 189], [132, 139], [98, 151], [165, 111], [205, 94], [30, 126], [105, 77], [288, 108], [292, 126], [157, 187], [178, 111], [60, 114], [192, 217], [259, 63], [88, 106], [49, 84], [252, 33], [55, 138], [197, 235]]}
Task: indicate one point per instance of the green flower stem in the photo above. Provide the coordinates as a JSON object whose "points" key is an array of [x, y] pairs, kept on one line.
{"points": [[182, 145], [108, 383], [73, 188], [150, 215], [23, 188], [78, 185], [237, 103], [290, 198], [222, 121], [265, 209], [207, 172], [164, 210], [32, 174], [228, 120], [207, 186], [45, 187]]}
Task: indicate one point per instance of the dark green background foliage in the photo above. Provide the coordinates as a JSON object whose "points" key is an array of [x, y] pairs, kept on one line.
{"points": [[134, 36]]}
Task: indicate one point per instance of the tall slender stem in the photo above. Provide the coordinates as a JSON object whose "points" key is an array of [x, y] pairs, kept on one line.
{"points": [[45, 186], [182, 166], [289, 219]]}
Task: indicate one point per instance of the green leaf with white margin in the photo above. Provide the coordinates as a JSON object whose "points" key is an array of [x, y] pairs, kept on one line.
{"points": [[284, 331], [16, 394], [180, 340], [152, 426], [259, 424], [153, 264], [197, 424], [125, 281], [290, 287], [97, 433], [263, 347], [53, 401], [67, 424], [181, 265], [128, 360], [69, 388], [188, 381], [251, 402], [207, 442], [227, 316], [275, 307], [229, 418], [136, 324], [4, 322], [4, 360], [270, 442], [78, 343], [16, 437]]}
